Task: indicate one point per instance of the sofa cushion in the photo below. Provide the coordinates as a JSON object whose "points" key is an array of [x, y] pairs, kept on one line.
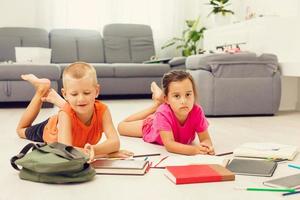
{"points": [[14, 71], [140, 70], [128, 43], [7, 47], [141, 48], [11, 37], [90, 49], [70, 45], [63, 49], [102, 69], [37, 41], [116, 49]]}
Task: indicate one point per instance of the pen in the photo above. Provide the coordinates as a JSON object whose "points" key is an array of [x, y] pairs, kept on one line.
{"points": [[161, 161], [290, 193], [146, 155], [277, 159], [270, 189], [294, 166], [224, 154]]}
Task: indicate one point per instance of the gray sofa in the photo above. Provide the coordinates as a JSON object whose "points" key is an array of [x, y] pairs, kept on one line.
{"points": [[12, 88], [118, 57], [237, 84]]}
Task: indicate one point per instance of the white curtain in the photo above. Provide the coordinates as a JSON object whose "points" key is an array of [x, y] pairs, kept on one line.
{"points": [[166, 17]]}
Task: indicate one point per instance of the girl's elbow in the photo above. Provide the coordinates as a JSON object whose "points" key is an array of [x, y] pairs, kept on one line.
{"points": [[117, 144]]}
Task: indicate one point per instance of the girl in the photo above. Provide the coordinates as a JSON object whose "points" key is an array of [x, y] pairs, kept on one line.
{"points": [[173, 119]]}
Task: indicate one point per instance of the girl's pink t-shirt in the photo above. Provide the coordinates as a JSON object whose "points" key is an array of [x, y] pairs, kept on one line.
{"points": [[164, 119]]}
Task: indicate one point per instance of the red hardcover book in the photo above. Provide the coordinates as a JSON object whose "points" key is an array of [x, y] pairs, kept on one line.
{"points": [[198, 173]]}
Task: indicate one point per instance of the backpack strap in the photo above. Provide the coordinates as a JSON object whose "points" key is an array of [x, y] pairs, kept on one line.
{"points": [[23, 152], [65, 151], [68, 152]]}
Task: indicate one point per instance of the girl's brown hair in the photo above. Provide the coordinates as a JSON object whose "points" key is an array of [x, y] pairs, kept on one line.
{"points": [[174, 76]]}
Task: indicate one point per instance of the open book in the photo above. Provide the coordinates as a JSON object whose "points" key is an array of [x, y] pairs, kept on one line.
{"points": [[125, 167], [266, 150], [190, 160]]}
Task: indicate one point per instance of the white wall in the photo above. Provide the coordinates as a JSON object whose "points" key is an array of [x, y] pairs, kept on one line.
{"points": [[50, 14]]}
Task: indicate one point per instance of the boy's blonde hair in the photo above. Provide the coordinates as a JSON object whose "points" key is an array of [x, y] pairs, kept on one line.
{"points": [[79, 70]]}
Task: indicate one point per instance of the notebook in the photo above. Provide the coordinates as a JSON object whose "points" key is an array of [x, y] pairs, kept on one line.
{"points": [[35, 55], [190, 160], [252, 167], [198, 174], [125, 167], [292, 181], [266, 150]]}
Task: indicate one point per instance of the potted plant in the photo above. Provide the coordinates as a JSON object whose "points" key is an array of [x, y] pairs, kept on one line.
{"points": [[190, 39], [219, 9]]}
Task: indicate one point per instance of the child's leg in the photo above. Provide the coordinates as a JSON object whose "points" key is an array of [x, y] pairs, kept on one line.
{"points": [[42, 87], [132, 125], [54, 98]]}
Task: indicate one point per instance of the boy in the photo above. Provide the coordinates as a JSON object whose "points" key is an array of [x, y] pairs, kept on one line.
{"points": [[81, 119]]}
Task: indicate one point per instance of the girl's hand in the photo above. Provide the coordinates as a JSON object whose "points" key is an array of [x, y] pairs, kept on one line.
{"points": [[89, 150], [121, 154], [210, 149], [201, 149]]}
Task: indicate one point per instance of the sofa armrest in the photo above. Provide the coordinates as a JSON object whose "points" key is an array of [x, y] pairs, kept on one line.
{"points": [[235, 65], [177, 61]]}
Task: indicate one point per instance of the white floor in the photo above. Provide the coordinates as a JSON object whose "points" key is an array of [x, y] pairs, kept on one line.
{"points": [[226, 133]]}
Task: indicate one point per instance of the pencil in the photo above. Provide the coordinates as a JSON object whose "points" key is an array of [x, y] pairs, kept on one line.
{"points": [[146, 155], [224, 154], [290, 193], [161, 161]]}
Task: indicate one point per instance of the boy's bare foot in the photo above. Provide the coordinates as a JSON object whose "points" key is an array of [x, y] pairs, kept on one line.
{"points": [[42, 85], [54, 98], [157, 94]]}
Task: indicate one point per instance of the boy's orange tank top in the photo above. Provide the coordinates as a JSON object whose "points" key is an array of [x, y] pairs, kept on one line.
{"points": [[81, 133]]}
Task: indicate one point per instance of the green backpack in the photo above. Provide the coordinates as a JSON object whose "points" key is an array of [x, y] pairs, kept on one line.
{"points": [[52, 163]]}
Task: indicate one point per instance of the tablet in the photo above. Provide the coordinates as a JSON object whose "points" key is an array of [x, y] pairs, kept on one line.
{"points": [[291, 181]]}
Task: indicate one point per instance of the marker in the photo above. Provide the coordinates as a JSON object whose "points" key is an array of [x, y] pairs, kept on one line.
{"points": [[294, 166], [270, 189]]}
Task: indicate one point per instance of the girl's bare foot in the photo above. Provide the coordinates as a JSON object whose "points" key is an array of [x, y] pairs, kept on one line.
{"points": [[41, 85], [157, 94], [54, 98]]}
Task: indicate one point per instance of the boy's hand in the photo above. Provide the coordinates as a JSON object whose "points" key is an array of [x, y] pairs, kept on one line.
{"points": [[89, 150], [121, 154]]}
